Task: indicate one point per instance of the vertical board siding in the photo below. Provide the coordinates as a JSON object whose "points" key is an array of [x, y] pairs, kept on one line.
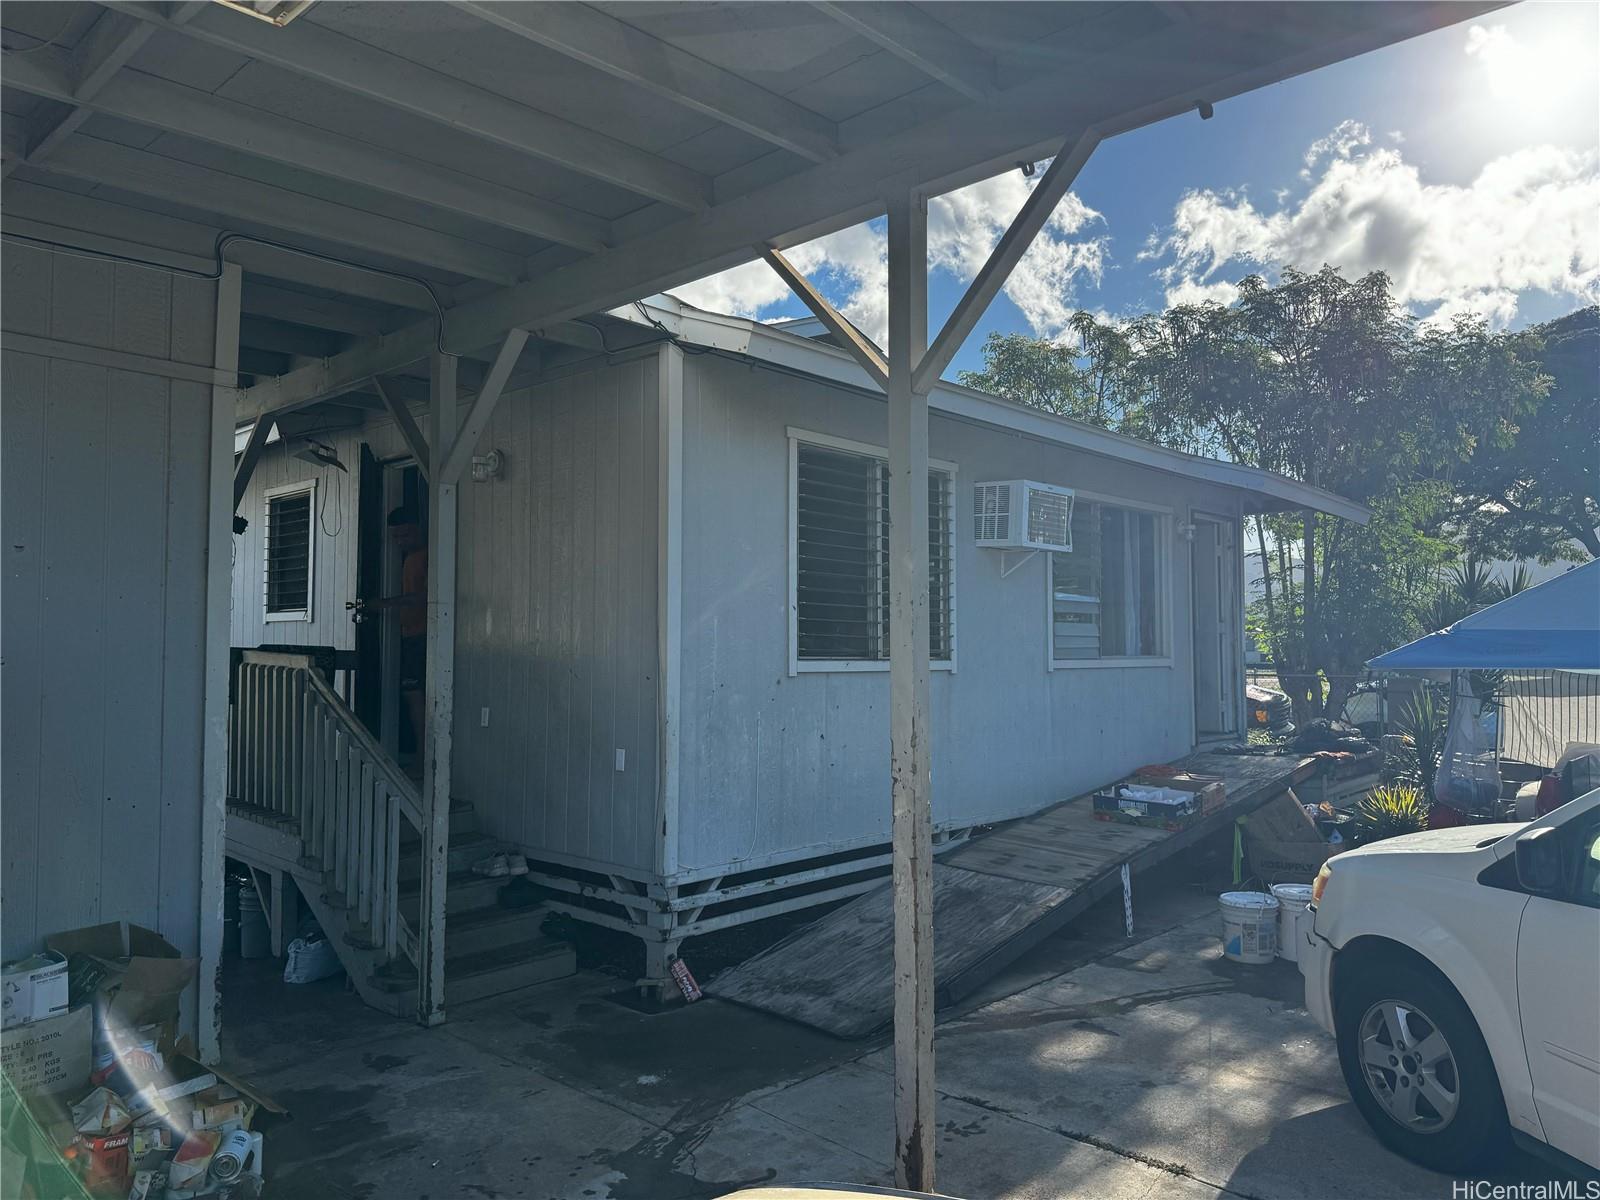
{"points": [[782, 767], [555, 613], [105, 477]]}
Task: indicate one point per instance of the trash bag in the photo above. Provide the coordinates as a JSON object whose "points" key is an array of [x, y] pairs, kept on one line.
{"points": [[310, 959], [1323, 734], [1469, 769]]}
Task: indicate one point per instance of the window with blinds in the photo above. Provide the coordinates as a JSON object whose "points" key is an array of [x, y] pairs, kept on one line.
{"points": [[288, 554], [1105, 596], [842, 557]]}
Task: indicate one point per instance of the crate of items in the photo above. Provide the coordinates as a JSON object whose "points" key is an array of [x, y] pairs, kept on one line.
{"points": [[1170, 802]]}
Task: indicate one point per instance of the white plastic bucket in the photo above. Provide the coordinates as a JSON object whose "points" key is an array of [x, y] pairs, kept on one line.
{"points": [[1249, 926], [255, 938], [1293, 900]]}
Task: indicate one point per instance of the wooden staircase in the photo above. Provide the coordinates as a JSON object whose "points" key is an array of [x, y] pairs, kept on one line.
{"points": [[313, 797]]}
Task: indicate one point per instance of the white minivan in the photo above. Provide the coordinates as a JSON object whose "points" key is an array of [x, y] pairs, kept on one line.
{"points": [[1459, 970]]}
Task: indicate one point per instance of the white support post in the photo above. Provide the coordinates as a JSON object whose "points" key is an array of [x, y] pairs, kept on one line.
{"points": [[407, 425], [219, 596], [851, 338], [439, 706], [909, 758], [454, 458], [254, 445], [669, 587], [1008, 252]]}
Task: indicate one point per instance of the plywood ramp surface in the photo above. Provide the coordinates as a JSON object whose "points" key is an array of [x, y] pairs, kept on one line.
{"points": [[836, 974], [993, 899]]}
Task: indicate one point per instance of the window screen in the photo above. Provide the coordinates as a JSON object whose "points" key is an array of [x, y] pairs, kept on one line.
{"points": [[842, 557], [288, 557], [1105, 599]]}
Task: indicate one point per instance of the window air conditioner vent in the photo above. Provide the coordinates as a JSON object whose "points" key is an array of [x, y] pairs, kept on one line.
{"points": [[1018, 514]]}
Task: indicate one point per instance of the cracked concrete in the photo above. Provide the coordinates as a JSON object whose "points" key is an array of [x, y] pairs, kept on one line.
{"points": [[1095, 1068]]}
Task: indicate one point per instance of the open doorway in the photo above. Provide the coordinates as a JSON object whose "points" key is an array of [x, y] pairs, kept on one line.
{"points": [[1218, 690], [391, 629]]}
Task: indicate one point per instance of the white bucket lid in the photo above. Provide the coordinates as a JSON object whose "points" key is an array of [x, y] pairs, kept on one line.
{"points": [[1294, 893], [1249, 900]]}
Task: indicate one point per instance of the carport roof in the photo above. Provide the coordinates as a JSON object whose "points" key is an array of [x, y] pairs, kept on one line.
{"points": [[534, 162]]}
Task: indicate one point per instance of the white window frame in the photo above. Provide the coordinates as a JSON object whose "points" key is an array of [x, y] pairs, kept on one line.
{"points": [[1164, 554], [818, 666], [309, 488]]}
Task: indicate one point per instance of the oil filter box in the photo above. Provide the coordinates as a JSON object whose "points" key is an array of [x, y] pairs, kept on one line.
{"points": [[50, 1057]]}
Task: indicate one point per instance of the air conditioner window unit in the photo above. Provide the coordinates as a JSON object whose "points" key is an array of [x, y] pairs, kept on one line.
{"points": [[1019, 514]]}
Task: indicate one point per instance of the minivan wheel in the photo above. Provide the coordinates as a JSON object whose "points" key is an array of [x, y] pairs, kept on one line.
{"points": [[1417, 1067]]}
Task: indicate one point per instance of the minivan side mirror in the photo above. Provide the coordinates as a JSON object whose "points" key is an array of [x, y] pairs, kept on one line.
{"points": [[1539, 866]]}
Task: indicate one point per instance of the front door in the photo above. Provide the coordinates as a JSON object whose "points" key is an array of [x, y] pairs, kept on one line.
{"points": [[1218, 695]]}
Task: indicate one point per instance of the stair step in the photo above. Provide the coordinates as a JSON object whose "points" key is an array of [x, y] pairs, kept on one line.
{"points": [[489, 972], [465, 849], [463, 891], [491, 928], [463, 820]]}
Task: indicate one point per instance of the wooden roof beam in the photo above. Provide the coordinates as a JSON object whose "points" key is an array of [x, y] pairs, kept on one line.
{"points": [[353, 66], [624, 52], [909, 33], [148, 100], [851, 338], [178, 182], [111, 41]]}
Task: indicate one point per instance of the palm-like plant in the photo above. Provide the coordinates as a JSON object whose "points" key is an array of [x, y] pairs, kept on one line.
{"points": [[1391, 811], [1422, 723]]}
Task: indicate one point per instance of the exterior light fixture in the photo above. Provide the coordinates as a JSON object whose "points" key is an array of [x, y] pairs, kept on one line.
{"points": [[275, 12], [488, 466]]}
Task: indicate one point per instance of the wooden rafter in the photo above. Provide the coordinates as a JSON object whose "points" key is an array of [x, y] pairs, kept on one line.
{"points": [[353, 66], [849, 336], [147, 100], [624, 52], [912, 35]]}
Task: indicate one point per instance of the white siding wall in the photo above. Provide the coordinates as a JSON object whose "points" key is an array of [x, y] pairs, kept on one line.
{"points": [[333, 551], [777, 766], [555, 630], [105, 476]]}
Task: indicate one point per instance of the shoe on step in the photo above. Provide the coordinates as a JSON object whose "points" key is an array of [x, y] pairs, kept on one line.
{"points": [[494, 865], [516, 864]]}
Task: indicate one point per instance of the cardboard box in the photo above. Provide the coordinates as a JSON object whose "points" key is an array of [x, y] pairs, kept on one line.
{"points": [[1282, 843], [34, 989], [134, 975], [50, 1057]]}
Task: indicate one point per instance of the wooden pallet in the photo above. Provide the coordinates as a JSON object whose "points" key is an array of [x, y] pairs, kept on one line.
{"points": [[993, 900]]}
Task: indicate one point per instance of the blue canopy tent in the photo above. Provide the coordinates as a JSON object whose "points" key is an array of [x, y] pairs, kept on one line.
{"points": [[1552, 627]]}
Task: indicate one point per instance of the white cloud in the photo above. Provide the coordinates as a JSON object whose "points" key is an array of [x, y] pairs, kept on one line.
{"points": [[963, 227], [1347, 137], [1527, 221]]}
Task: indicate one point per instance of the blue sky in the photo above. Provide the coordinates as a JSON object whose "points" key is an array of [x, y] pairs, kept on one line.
{"points": [[1464, 162]]}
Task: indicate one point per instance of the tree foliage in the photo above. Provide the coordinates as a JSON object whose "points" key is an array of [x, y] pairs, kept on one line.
{"points": [[1539, 495], [1328, 381]]}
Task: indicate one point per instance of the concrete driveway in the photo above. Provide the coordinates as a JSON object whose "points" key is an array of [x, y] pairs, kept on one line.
{"points": [[1096, 1068]]}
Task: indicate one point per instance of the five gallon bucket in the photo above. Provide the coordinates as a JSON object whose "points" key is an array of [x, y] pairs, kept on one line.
{"points": [[1293, 900], [255, 939], [1249, 926]]}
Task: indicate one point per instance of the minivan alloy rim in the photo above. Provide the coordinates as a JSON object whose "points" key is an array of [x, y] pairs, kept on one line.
{"points": [[1409, 1066]]}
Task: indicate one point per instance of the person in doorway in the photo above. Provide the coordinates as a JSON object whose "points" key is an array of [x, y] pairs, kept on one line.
{"points": [[411, 607]]}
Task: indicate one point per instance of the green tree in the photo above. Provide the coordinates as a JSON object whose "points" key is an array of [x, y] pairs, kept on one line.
{"points": [[1043, 374], [1535, 492], [1328, 381]]}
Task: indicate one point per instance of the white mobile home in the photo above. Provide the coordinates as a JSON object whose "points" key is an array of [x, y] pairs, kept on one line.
{"points": [[671, 690]]}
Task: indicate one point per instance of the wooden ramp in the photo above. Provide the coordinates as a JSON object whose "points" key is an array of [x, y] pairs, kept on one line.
{"points": [[993, 899]]}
